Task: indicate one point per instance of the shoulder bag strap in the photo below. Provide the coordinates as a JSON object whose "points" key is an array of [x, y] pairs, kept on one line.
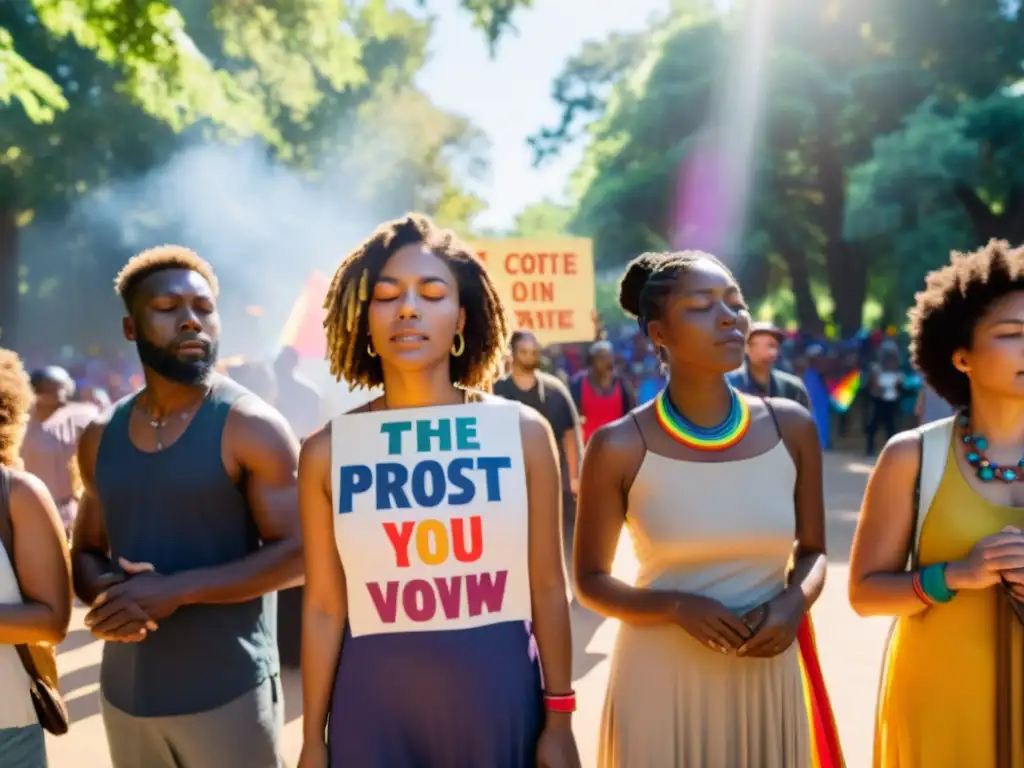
{"points": [[6, 527], [933, 450], [935, 438]]}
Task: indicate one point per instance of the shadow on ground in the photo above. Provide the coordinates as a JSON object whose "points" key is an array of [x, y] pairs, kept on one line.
{"points": [[846, 476], [584, 624], [82, 705], [291, 682], [77, 638]]}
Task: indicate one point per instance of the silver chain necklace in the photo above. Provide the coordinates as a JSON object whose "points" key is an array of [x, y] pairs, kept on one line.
{"points": [[158, 424]]}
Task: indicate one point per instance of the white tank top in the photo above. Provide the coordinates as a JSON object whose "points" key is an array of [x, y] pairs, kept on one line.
{"points": [[16, 710], [889, 384]]}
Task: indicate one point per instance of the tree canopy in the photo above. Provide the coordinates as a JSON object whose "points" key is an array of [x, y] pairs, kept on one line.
{"points": [[100, 93], [239, 65], [882, 140]]}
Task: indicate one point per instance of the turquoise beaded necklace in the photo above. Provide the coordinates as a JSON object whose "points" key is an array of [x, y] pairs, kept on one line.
{"points": [[974, 451]]}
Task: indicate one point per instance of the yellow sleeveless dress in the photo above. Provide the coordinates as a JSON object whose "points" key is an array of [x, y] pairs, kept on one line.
{"points": [[938, 696]]}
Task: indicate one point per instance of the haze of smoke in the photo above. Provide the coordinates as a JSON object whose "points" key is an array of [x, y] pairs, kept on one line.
{"points": [[262, 226]]}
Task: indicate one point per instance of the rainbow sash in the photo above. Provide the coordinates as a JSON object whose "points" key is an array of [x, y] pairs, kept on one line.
{"points": [[825, 749]]}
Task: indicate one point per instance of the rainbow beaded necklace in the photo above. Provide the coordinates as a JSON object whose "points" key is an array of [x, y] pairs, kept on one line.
{"points": [[719, 438]]}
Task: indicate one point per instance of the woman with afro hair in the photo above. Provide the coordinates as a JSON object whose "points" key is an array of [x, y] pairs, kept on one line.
{"points": [[938, 544], [35, 574], [413, 311]]}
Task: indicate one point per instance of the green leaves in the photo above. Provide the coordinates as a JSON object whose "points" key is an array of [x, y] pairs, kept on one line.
{"points": [[949, 179], [542, 219], [493, 17], [99, 94], [238, 63], [584, 86], [886, 138], [32, 88], [160, 66]]}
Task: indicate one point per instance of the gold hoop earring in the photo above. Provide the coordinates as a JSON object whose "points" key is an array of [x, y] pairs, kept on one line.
{"points": [[369, 349], [459, 345]]}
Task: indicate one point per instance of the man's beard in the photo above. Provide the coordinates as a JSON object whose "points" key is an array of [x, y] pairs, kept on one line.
{"points": [[531, 365], [168, 365]]}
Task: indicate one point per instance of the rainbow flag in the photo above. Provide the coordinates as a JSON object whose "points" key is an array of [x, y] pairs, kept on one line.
{"points": [[825, 749], [843, 391]]}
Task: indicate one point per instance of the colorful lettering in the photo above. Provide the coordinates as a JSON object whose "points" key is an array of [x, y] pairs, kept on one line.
{"points": [[457, 476], [429, 483], [421, 484], [419, 601], [394, 430], [485, 592], [449, 594], [539, 291], [355, 479], [463, 553], [426, 433], [400, 538], [386, 604], [391, 480], [492, 466], [432, 542], [544, 319], [482, 592], [465, 434], [540, 263]]}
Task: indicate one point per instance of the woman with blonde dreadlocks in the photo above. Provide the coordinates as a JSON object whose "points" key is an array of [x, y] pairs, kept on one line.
{"points": [[413, 311]]}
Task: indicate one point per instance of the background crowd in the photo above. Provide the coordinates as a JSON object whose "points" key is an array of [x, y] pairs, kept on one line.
{"points": [[869, 409]]}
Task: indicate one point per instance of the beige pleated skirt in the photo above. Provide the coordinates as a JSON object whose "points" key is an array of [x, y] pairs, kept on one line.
{"points": [[673, 703]]}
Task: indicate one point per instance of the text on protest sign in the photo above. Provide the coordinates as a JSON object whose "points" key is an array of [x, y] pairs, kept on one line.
{"points": [[547, 285], [431, 517]]}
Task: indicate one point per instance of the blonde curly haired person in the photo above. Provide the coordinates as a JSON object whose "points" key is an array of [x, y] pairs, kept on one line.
{"points": [[35, 572]]}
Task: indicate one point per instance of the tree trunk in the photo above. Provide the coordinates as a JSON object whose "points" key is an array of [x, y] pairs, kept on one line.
{"points": [[847, 274], [986, 224], [9, 277], [983, 220], [800, 283], [752, 274], [847, 270]]}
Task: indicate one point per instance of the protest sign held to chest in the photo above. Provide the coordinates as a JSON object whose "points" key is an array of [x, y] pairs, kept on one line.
{"points": [[431, 517]]}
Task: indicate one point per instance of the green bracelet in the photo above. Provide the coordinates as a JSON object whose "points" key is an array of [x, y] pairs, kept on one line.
{"points": [[933, 583]]}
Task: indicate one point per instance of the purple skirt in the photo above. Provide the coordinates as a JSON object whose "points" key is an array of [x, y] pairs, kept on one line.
{"points": [[468, 698]]}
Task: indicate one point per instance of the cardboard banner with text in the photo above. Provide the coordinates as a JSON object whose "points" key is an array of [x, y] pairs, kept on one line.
{"points": [[430, 517], [547, 285]]}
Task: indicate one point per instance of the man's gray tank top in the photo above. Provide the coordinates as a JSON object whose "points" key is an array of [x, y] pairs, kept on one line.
{"points": [[179, 510]]}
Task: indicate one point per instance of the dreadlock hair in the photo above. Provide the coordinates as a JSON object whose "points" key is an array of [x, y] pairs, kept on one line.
{"points": [[16, 399], [347, 323], [947, 311], [651, 277], [158, 259]]}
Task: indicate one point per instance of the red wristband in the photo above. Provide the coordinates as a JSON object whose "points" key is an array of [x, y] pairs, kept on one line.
{"points": [[560, 702], [919, 589]]}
